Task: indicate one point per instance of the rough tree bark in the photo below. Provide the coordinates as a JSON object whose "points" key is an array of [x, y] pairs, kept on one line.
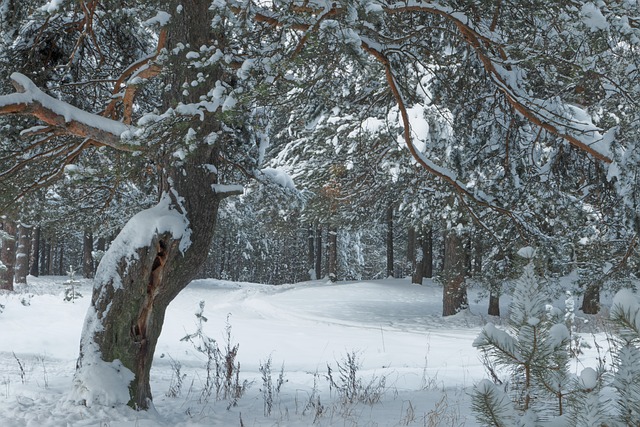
{"points": [[454, 292], [133, 286], [7, 253], [22, 253]]}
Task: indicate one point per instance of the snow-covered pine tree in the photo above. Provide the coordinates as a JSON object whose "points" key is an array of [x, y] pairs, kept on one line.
{"points": [[534, 351]]}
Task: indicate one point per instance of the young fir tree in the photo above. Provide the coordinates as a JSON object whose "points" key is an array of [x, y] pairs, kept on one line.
{"points": [[534, 349]]}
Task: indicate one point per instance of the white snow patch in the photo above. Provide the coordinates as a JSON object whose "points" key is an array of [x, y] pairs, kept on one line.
{"points": [[280, 177], [593, 17], [162, 18]]}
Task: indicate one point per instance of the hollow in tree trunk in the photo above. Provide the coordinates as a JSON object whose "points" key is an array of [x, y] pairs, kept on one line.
{"points": [[138, 277], [454, 292]]}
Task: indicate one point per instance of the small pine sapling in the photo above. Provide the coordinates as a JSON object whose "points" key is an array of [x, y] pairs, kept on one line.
{"points": [[70, 292], [534, 350]]}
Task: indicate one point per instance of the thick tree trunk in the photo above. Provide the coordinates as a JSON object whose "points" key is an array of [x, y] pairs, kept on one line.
{"points": [[319, 252], [135, 284], [591, 299], [7, 254], [333, 254], [22, 253], [34, 269], [87, 255], [454, 293], [389, 242]]}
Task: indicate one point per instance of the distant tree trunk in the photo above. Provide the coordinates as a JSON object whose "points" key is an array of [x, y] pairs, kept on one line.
{"points": [[333, 254], [454, 293], [61, 270], [311, 258], [7, 254], [591, 299], [477, 255], [494, 302], [34, 270], [411, 250], [389, 242], [87, 255], [48, 264], [427, 253], [22, 253], [318, 252]]}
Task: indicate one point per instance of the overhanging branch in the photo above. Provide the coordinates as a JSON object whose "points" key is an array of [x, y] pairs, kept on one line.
{"points": [[30, 100]]}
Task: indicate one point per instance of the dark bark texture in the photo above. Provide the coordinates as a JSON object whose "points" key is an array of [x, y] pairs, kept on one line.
{"points": [[87, 255], [454, 292], [591, 299]]}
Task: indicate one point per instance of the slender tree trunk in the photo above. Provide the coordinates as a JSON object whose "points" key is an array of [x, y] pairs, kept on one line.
{"points": [[411, 250], [49, 258], [61, 270], [101, 247], [454, 293], [34, 270], [389, 242], [333, 254], [87, 255], [318, 252], [22, 253], [311, 253], [134, 285], [7, 253], [591, 299], [427, 254]]}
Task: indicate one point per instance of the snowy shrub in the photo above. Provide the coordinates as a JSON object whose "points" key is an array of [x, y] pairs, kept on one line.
{"points": [[350, 387], [270, 391], [223, 372]]}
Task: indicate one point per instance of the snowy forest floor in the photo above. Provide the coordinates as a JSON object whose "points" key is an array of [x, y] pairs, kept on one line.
{"points": [[423, 364]]}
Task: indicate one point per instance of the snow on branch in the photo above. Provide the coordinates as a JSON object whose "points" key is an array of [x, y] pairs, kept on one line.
{"points": [[30, 100]]}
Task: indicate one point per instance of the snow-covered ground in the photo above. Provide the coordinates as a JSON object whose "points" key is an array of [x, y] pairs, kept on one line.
{"points": [[424, 364]]}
